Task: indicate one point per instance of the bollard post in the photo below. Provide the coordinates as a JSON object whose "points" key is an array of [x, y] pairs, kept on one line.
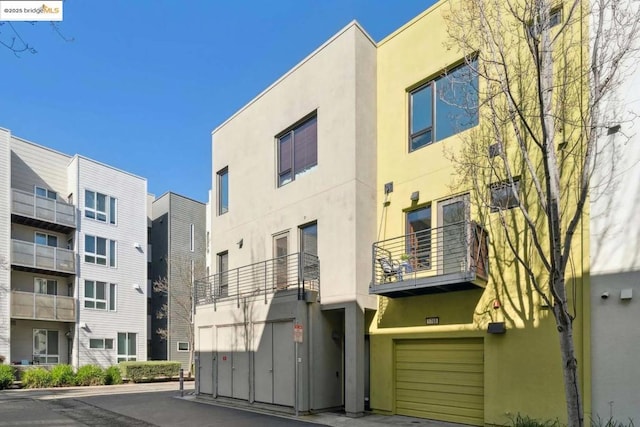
{"points": [[181, 382]]}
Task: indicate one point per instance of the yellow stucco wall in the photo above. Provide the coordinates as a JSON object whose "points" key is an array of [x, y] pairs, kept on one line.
{"points": [[522, 368]]}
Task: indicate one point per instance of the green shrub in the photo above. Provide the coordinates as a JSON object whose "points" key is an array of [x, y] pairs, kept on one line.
{"points": [[36, 378], [139, 371], [90, 375], [113, 375], [6, 376], [62, 376], [525, 421], [599, 422]]}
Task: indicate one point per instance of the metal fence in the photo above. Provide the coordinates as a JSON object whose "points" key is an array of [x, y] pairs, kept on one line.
{"points": [[299, 271], [453, 248]]}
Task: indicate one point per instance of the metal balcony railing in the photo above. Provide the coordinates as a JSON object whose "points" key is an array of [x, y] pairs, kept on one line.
{"points": [[29, 305], [39, 257], [29, 205], [432, 257], [299, 271]]}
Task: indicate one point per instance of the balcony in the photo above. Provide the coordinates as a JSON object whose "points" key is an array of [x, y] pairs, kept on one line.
{"points": [[41, 212], [295, 274], [29, 305], [444, 259], [27, 256]]}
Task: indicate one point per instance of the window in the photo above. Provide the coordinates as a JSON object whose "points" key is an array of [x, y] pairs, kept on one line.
{"points": [[297, 151], [309, 249], [192, 234], [183, 346], [418, 240], [444, 106], [48, 194], [126, 346], [46, 239], [46, 286], [45, 346], [95, 250], [95, 206], [503, 195], [208, 239], [223, 191], [101, 343], [223, 266], [534, 28], [280, 252], [95, 295]]}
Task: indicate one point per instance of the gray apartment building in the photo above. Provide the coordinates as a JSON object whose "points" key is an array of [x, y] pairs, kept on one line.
{"points": [[73, 267], [177, 239]]}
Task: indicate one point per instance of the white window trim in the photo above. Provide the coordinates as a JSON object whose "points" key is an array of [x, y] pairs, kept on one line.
{"points": [[46, 282], [103, 345], [107, 205], [183, 342], [108, 257], [126, 357], [46, 355], [193, 235], [46, 235], [47, 191], [108, 304]]}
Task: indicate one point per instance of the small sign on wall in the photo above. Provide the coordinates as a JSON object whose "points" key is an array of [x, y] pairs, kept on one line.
{"points": [[432, 320], [297, 332]]}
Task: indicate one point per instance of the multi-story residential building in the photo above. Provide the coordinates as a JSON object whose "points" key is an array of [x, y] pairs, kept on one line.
{"points": [[177, 248], [460, 333], [615, 257], [73, 236], [282, 318]]}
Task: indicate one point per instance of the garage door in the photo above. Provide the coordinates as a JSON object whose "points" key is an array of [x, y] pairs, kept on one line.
{"points": [[440, 379]]}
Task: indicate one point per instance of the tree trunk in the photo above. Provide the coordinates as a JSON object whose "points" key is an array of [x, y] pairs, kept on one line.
{"points": [[569, 361]]}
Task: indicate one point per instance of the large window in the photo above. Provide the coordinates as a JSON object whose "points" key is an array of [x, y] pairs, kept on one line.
{"points": [[309, 239], [223, 266], [223, 191], [297, 151], [100, 207], [95, 250], [418, 240], [45, 346], [100, 295], [126, 346], [46, 286], [444, 106]]}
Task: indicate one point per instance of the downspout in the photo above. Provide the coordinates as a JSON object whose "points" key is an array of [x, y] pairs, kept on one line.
{"points": [[77, 257]]}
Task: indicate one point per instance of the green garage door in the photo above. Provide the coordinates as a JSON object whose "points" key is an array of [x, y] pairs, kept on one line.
{"points": [[440, 379]]}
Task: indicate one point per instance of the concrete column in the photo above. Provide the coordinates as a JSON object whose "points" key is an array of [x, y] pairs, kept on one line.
{"points": [[354, 360]]}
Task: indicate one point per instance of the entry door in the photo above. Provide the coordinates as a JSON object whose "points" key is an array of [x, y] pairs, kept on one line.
{"points": [[274, 362], [224, 346], [452, 215], [205, 360]]}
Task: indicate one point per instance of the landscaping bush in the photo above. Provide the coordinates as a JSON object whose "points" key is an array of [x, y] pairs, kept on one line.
{"points": [[139, 371], [525, 421], [113, 375], [36, 378], [6, 376], [62, 376], [90, 375]]}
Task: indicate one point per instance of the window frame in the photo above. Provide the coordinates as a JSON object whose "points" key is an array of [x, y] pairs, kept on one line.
{"points": [[419, 248], [223, 285], [222, 191], [110, 255], [432, 83], [47, 283], [47, 193], [47, 237], [55, 357], [103, 346], [510, 202], [127, 356], [110, 208], [293, 173], [183, 350], [110, 292], [192, 238]]}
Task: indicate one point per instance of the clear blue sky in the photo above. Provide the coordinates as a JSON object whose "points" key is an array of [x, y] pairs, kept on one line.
{"points": [[144, 83]]}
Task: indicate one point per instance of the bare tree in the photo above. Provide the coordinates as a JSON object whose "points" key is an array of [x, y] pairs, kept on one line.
{"points": [[178, 306], [12, 39], [545, 77]]}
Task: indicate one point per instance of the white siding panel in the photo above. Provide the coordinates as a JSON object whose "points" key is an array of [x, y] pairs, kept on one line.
{"points": [[5, 231], [32, 165], [131, 269]]}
